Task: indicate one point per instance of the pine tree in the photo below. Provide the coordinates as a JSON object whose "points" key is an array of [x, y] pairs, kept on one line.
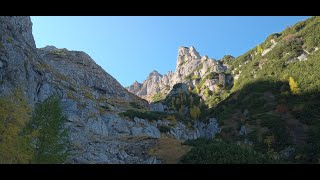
{"points": [[46, 131], [294, 86], [173, 105], [191, 101]]}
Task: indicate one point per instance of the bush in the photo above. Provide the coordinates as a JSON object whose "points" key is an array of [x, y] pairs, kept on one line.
{"points": [[72, 88], [135, 105], [195, 112], [212, 75], [227, 58], [10, 40], [207, 151], [150, 115], [189, 76], [236, 71], [259, 49], [277, 128], [164, 129], [157, 97], [194, 77], [294, 86], [88, 95]]}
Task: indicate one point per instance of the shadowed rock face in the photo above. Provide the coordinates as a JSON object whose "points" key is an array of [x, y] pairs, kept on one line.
{"points": [[189, 64]]}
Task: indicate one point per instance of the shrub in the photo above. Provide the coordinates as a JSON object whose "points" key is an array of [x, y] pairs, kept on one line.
{"points": [[72, 88], [9, 39], [194, 77], [294, 86], [200, 66], [60, 52], [259, 49], [212, 75], [277, 128], [88, 95], [281, 108], [195, 112], [135, 105], [164, 129], [157, 97], [227, 58], [236, 71], [70, 95], [207, 151], [188, 77]]}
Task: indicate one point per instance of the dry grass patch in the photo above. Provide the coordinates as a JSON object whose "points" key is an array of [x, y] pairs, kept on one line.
{"points": [[169, 150]]}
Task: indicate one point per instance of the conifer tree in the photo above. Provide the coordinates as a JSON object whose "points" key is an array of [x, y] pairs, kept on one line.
{"points": [[47, 134]]}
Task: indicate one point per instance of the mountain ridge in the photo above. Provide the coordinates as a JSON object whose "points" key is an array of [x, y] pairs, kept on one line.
{"points": [[269, 101], [97, 108], [190, 68], [265, 101]]}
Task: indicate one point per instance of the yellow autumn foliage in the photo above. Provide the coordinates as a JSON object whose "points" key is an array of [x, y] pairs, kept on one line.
{"points": [[14, 113], [294, 86]]}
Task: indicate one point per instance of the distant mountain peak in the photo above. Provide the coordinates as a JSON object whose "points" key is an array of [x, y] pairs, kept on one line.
{"points": [[155, 73], [136, 82], [189, 64], [191, 51]]}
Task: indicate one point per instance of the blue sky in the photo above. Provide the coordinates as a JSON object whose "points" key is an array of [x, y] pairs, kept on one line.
{"points": [[130, 47]]}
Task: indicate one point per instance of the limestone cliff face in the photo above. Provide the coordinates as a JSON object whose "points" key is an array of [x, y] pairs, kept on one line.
{"points": [[190, 69], [90, 97], [18, 58], [80, 74]]}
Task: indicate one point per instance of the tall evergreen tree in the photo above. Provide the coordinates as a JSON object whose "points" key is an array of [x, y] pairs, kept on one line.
{"points": [[47, 133]]}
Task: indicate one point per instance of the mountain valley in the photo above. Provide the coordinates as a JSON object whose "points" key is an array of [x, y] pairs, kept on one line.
{"points": [[59, 106]]}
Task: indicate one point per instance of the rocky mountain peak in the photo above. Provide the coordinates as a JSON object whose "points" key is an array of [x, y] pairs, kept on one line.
{"points": [[190, 52], [182, 50], [193, 52], [187, 55], [135, 87], [155, 73], [190, 67]]}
